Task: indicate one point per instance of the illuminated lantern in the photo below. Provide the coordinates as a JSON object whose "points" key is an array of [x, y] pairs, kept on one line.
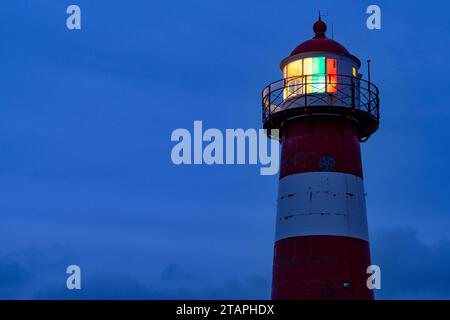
{"points": [[323, 109]]}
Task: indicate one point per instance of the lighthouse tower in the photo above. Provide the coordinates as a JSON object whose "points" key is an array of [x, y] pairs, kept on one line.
{"points": [[323, 110]]}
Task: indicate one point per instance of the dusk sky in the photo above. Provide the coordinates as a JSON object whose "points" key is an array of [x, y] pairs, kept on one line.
{"points": [[86, 117]]}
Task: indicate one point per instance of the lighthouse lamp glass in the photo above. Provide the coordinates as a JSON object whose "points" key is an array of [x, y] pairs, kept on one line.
{"points": [[310, 75]]}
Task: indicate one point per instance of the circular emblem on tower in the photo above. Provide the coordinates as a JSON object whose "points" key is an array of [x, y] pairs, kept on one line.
{"points": [[327, 163]]}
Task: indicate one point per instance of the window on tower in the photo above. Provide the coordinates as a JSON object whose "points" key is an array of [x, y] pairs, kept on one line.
{"points": [[331, 75], [293, 79], [310, 75], [314, 70]]}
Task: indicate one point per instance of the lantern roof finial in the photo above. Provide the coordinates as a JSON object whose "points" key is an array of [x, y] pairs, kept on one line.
{"points": [[320, 28]]}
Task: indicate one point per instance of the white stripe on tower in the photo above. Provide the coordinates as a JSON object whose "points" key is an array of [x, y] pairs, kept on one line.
{"points": [[321, 203]]}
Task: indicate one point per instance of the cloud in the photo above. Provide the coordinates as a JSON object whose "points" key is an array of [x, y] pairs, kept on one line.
{"points": [[22, 271], [173, 273], [410, 268], [13, 274], [253, 287], [121, 286], [103, 287]]}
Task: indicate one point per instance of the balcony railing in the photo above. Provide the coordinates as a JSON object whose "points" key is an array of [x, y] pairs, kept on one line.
{"points": [[330, 95]]}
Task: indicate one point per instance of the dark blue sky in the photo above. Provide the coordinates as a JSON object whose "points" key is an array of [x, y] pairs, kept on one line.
{"points": [[85, 122]]}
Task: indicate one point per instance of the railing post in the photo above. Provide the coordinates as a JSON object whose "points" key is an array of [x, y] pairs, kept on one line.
{"points": [[352, 86], [328, 81], [305, 88]]}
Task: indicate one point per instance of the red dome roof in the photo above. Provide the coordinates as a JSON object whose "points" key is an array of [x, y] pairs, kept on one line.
{"points": [[320, 42]]}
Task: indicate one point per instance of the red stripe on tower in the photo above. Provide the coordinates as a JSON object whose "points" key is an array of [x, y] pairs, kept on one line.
{"points": [[323, 110]]}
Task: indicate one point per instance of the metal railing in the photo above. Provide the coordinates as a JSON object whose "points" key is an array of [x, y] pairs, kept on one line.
{"points": [[331, 92]]}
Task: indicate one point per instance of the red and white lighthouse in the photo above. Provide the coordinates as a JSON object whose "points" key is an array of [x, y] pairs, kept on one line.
{"points": [[323, 109]]}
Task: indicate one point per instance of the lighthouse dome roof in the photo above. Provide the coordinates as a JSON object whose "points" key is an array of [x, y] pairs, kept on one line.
{"points": [[320, 42]]}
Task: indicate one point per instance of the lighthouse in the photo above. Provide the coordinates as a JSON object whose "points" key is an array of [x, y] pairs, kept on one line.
{"points": [[322, 110]]}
